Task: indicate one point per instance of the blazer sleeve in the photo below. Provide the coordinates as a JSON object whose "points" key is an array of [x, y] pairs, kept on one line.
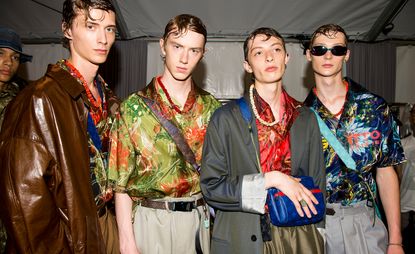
{"points": [[229, 180]]}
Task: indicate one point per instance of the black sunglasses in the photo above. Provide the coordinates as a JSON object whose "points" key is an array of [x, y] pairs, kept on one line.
{"points": [[321, 50]]}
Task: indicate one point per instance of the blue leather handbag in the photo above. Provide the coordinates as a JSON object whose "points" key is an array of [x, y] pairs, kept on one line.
{"points": [[282, 211]]}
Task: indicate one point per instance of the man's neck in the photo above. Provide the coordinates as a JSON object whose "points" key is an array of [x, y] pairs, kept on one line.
{"points": [[2, 85], [271, 94], [87, 70], [178, 89], [330, 88]]}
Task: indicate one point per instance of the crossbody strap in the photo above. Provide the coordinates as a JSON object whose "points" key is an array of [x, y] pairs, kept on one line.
{"points": [[335, 143], [175, 134]]}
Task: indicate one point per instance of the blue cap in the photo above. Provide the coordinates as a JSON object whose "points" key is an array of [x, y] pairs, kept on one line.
{"points": [[10, 39]]}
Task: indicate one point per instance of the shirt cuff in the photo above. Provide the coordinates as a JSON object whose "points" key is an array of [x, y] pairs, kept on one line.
{"points": [[254, 193]]}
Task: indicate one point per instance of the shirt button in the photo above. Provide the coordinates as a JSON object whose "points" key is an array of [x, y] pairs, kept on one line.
{"points": [[253, 238]]}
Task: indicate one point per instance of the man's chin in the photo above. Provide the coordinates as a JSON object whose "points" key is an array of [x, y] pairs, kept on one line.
{"points": [[181, 77]]}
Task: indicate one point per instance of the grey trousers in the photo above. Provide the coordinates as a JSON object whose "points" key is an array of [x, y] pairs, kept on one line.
{"points": [[350, 230]]}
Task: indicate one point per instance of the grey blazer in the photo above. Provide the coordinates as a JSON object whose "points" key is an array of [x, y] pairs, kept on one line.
{"points": [[232, 183]]}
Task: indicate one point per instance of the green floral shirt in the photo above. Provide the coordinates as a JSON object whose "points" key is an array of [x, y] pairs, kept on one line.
{"points": [[144, 160]]}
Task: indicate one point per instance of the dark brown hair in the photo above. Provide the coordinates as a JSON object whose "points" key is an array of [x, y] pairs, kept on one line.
{"points": [[72, 8], [267, 31], [182, 23], [328, 30]]}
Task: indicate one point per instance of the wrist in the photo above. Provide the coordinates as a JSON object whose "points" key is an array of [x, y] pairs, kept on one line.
{"points": [[395, 244]]}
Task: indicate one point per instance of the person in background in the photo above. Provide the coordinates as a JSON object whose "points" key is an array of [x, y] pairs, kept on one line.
{"points": [[158, 202], [363, 124], [11, 56], [406, 172], [54, 145], [241, 162]]}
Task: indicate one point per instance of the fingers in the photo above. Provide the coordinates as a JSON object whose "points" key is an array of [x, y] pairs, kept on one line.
{"points": [[305, 202]]}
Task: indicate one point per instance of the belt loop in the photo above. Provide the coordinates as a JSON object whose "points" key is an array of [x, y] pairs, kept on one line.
{"points": [[166, 203]]}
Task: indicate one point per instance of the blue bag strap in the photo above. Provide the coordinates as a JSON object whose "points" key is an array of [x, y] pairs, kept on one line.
{"points": [[334, 142], [246, 114]]}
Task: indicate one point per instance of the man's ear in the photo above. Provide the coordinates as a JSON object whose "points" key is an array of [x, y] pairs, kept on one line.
{"points": [[66, 31], [163, 51], [247, 67], [346, 57], [308, 55], [287, 58]]}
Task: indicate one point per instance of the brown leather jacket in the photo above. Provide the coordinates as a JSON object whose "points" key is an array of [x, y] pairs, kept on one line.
{"points": [[45, 190]]}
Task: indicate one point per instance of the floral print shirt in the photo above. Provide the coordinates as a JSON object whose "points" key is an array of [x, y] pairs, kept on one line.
{"points": [[144, 160], [102, 190], [368, 132], [274, 141]]}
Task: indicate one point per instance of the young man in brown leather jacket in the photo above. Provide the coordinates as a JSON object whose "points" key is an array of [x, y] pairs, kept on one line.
{"points": [[53, 146]]}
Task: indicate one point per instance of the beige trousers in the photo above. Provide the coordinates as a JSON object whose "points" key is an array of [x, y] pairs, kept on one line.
{"points": [[160, 231]]}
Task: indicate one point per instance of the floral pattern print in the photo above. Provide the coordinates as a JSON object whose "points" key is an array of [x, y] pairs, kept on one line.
{"points": [[144, 160], [274, 141], [98, 158], [367, 130]]}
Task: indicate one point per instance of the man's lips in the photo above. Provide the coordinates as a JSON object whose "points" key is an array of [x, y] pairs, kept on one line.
{"points": [[181, 69], [5, 72], [101, 51], [271, 69]]}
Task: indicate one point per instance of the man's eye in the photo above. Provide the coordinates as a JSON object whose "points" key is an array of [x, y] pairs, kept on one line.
{"points": [[112, 29]]}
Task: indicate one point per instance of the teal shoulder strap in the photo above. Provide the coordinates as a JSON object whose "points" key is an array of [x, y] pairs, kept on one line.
{"points": [[334, 142]]}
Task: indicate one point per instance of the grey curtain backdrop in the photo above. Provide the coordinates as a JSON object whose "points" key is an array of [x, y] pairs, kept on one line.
{"points": [[126, 67], [374, 66]]}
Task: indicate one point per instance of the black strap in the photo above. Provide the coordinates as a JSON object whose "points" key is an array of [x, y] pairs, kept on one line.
{"points": [[175, 133]]}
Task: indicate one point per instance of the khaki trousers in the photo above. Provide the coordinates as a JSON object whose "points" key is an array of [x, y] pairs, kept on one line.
{"points": [[295, 240], [109, 230], [160, 231]]}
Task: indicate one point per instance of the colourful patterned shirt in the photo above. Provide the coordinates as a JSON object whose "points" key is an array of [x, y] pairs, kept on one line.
{"points": [[144, 160], [368, 132], [274, 141], [98, 157]]}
